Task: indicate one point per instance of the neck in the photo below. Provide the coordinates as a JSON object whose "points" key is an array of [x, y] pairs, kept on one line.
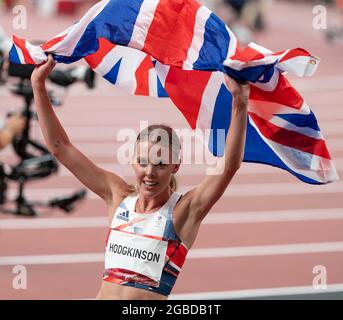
{"points": [[151, 204]]}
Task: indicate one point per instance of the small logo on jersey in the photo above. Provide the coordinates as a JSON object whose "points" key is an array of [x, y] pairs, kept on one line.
{"points": [[123, 216], [158, 221]]}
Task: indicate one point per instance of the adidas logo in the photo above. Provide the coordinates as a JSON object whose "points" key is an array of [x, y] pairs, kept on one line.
{"points": [[123, 216]]}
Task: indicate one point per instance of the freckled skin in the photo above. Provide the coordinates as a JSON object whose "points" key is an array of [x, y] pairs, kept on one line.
{"points": [[57, 144]]}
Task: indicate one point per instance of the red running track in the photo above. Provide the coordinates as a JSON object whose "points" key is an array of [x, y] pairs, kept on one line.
{"points": [[269, 232]]}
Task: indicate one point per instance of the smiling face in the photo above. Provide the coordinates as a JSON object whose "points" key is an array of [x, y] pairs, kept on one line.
{"points": [[157, 158], [153, 168]]}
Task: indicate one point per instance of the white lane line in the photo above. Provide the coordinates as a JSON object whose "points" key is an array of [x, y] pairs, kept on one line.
{"points": [[270, 250], [200, 253], [53, 259], [126, 170], [94, 117], [274, 216], [110, 133], [194, 170], [211, 219], [257, 293], [328, 114], [325, 84], [54, 223], [277, 189], [110, 149], [316, 84], [335, 144], [234, 190]]}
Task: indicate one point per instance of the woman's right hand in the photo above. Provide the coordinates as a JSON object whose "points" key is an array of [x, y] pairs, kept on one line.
{"points": [[240, 92], [42, 71]]}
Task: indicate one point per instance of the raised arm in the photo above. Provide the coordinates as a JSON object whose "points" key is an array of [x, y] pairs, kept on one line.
{"points": [[208, 192], [104, 183]]}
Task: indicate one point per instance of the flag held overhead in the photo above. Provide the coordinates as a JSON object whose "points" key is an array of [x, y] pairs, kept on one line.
{"points": [[184, 49]]}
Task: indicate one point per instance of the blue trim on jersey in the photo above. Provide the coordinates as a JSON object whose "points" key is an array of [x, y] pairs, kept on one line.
{"points": [[167, 283]]}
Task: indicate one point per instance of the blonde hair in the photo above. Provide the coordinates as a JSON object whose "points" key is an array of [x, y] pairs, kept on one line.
{"points": [[153, 133]]}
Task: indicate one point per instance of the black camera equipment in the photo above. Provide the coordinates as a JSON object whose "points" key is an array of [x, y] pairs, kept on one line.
{"points": [[35, 160]]}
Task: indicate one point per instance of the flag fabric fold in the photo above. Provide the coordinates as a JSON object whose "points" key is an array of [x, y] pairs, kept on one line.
{"points": [[181, 50]]}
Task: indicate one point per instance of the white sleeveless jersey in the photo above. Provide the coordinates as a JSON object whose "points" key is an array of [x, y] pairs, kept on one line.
{"points": [[137, 244]]}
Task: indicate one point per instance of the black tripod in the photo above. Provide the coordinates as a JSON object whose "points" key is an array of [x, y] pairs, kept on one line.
{"points": [[32, 166]]}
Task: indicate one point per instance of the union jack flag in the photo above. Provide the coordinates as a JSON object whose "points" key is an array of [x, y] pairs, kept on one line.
{"points": [[181, 50]]}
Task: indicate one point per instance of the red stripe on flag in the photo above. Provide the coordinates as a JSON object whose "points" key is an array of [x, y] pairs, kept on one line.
{"points": [[283, 94], [52, 42], [293, 54], [186, 89], [21, 44], [142, 76], [96, 58], [248, 54], [238, 48], [171, 31], [291, 138]]}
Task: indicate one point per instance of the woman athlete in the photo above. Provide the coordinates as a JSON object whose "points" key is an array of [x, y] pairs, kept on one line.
{"points": [[152, 229]]}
